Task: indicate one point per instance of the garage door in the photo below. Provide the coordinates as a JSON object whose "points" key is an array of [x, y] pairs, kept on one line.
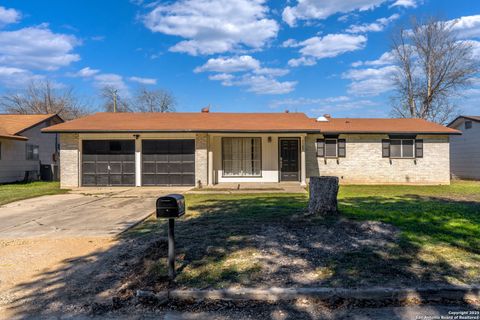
{"points": [[108, 163], [168, 162]]}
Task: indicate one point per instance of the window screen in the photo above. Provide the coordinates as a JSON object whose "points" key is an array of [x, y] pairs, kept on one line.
{"points": [[330, 147], [241, 156], [468, 124], [402, 148]]}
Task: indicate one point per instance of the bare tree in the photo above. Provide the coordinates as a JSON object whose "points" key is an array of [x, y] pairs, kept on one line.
{"points": [[113, 102], [41, 97], [154, 100], [433, 66]]}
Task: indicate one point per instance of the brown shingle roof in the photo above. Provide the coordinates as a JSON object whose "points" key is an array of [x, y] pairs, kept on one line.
{"points": [[241, 122], [12, 125], [385, 125], [193, 122]]}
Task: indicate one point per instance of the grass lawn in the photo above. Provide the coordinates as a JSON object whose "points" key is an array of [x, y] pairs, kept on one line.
{"points": [[419, 235], [18, 191]]}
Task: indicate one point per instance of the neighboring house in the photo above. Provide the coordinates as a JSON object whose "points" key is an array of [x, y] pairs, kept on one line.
{"points": [[23, 147], [145, 149], [465, 149]]}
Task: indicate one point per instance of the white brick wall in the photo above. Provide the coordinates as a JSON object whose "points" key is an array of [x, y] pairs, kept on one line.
{"points": [[364, 164], [201, 159], [69, 160]]}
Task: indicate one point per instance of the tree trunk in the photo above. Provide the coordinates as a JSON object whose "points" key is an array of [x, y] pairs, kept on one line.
{"points": [[323, 196]]}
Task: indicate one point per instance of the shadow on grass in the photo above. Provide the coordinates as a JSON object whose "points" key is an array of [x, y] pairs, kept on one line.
{"points": [[265, 241]]}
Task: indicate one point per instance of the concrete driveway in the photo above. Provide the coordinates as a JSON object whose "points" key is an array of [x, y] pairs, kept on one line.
{"points": [[82, 212]]}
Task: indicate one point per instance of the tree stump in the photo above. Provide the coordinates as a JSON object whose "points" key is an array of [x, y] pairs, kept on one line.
{"points": [[323, 196]]}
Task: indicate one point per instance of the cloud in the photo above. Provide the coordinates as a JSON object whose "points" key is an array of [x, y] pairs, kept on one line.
{"points": [[260, 84], [224, 77], [37, 48], [405, 3], [8, 16], [324, 105], [385, 59], [376, 26], [213, 26], [228, 65], [15, 77], [246, 71], [370, 81], [467, 26], [143, 80], [322, 9], [86, 72], [111, 80], [303, 61], [328, 46]]}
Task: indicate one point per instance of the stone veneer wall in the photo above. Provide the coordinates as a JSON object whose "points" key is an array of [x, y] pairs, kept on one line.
{"points": [[201, 159], [69, 160], [364, 164]]}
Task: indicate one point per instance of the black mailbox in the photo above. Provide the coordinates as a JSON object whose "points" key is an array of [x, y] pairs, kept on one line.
{"points": [[171, 206]]}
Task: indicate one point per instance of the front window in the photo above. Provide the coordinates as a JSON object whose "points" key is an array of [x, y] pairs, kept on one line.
{"points": [[32, 152], [331, 148], [402, 148], [241, 157]]}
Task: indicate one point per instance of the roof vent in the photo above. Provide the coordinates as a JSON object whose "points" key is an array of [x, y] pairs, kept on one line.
{"points": [[327, 115], [206, 109], [287, 111], [322, 119]]}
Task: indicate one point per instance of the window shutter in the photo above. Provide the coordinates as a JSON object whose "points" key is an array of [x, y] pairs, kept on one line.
{"points": [[320, 147], [385, 148], [341, 148], [419, 148]]}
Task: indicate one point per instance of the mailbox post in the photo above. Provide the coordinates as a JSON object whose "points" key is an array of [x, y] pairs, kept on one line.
{"points": [[171, 207]]}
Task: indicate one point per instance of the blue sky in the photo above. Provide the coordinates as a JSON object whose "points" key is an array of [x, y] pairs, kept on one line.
{"points": [[313, 56]]}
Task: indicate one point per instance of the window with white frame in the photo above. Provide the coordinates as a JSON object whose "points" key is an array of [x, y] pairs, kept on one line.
{"points": [[331, 148], [242, 157], [32, 152]]}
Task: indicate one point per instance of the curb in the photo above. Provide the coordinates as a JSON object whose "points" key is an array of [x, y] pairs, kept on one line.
{"points": [[422, 294]]}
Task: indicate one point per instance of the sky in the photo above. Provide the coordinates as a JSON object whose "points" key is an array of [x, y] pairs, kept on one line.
{"points": [[312, 56]]}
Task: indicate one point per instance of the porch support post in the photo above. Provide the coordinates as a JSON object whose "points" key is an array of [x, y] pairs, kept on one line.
{"points": [[303, 170], [210, 160], [138, 162]]}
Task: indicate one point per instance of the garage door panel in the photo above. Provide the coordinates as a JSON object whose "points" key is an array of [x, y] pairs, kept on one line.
{"points": [[163, 179], [188, 179], [163, 167], [189, 167], [174, 162], [129, 167], [108, 162]]}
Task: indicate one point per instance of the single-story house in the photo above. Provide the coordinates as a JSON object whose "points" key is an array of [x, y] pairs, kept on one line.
{"points": [[206, 148], [24, 149], [465, 149]]}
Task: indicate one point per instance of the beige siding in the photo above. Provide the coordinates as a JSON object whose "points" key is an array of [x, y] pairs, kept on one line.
{"points": [[465, 152], [364, 164], [69, 160]]}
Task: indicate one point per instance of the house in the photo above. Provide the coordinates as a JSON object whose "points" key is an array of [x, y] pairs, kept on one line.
{"points": [[205, 148], [24, 148], [465, 149]]}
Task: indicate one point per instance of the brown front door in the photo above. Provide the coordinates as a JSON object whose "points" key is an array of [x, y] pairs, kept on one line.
{"points": [[289, 160]]}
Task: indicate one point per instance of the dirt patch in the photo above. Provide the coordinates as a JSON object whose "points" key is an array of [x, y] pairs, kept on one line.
{"points": [[56, 276]]}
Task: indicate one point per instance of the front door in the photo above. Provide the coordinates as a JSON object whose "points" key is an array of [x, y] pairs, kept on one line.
{"points": [[289, 160]]}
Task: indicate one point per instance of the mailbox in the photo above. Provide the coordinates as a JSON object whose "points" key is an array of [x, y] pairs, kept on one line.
{"points": [[171, 206]]}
